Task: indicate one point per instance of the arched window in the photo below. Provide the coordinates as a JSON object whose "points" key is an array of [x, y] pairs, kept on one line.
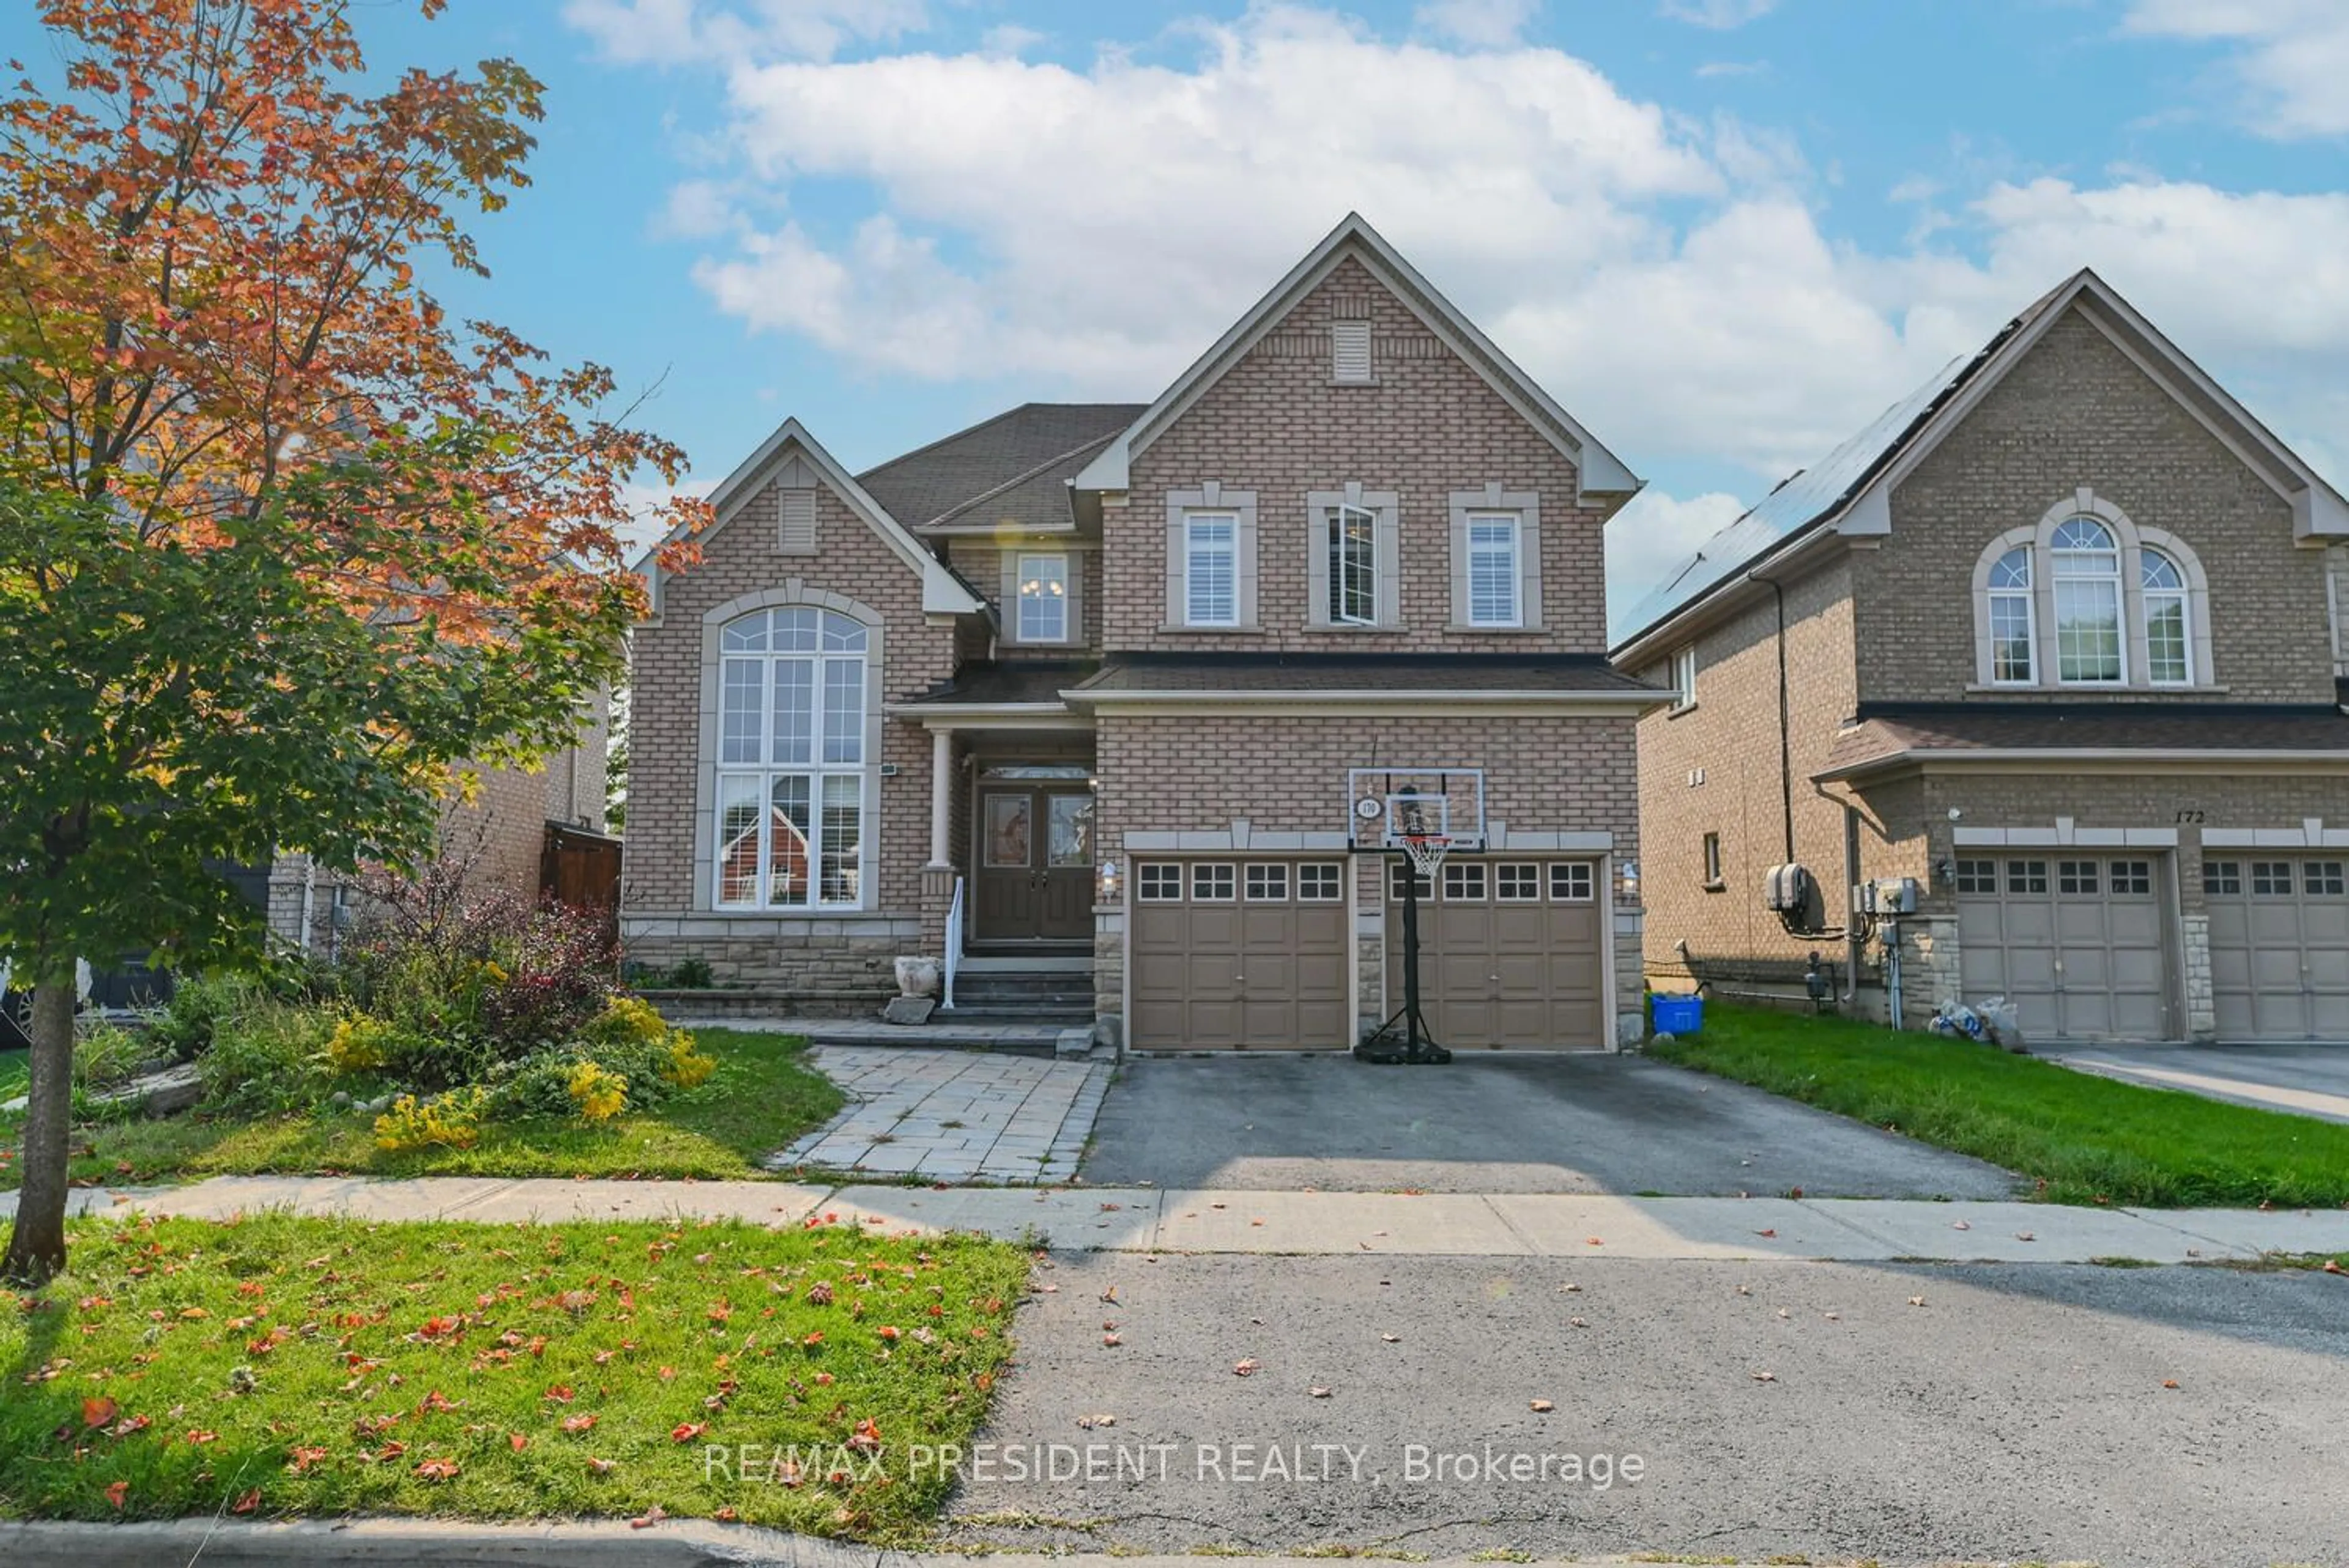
{"points": [[2169, 640], [2085, 562], [2117, 605], [791, 760], [2012, 619]]}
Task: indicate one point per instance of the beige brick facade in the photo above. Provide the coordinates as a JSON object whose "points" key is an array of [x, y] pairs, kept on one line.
{"points": [[1892, 619], [1277, 427], [1427, 429]]}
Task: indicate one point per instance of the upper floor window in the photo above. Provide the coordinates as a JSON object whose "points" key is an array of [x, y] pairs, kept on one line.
{"points": [[1043, 610], [1353, 566], [1684, 677], [2088, 570], [2012, 620], [791, 794], [2087, 598], [1211, 569], [1493, 570], [2169, 645]]}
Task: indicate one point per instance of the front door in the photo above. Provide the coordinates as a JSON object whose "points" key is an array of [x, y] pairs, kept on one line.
{"points": [[1035, 878]]}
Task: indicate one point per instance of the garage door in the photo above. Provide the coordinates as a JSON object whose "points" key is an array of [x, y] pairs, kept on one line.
{"points": [[2279, 947], [2075, 942], [1240, 954], [1509, 954]]}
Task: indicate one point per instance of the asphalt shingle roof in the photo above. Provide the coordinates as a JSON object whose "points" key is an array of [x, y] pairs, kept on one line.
{"points": [[1011, 467], [1022, 680], [2120, 727]]}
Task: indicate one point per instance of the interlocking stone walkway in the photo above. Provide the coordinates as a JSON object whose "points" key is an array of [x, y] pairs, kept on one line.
{"points": [[953, 1115]]}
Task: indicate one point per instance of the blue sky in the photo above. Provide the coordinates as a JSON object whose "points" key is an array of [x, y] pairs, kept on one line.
{"points": [[1724, 233]]}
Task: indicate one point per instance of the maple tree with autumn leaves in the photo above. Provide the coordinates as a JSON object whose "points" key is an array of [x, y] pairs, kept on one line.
{"points": [[281, 542]]}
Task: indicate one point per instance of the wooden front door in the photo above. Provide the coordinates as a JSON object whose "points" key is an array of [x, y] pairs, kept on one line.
{"points": [[1035, 873]]}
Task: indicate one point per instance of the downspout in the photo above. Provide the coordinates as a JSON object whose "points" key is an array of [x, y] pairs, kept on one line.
{"points": [[1785, 722], [309, 898]]}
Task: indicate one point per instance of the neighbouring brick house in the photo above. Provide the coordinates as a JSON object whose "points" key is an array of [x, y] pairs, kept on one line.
{"points": [[500, 835], [1077, 691], [2059, 637]]}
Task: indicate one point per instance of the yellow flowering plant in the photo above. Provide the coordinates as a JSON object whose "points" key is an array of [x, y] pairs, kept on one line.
{"points": [[598, 1093], [451, 1120]]}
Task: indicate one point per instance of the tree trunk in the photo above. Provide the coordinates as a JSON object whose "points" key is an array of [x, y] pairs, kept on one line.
{"points": [[36, 1244]]}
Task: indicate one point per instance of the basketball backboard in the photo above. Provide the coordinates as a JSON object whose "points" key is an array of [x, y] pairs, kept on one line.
{"points": [[1384, 805]]}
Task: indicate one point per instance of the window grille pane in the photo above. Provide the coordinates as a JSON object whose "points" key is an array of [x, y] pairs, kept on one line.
{"points": [[2026, 876], [738, 839], [2132, 877], [1043, 598], [747, 635], [1400, 876], [2013, 569], [843, 839], [1319, 884], [796, 629], [1160, 882], [1571, 881], [787, 848], [1517, 882], [1268, 884], [2222, 876], [844, 711], [2272, 878], [1212, 884], [2009, 636], [2323, 878], [794, 705], [842, 634], [1464, 881], [1353, 567], [1977, 876], [2076, 876], [2088, 630], [2167, 662], [738, 733]]}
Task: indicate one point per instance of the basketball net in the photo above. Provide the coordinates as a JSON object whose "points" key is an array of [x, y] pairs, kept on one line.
{"points": [[1425, 851]]}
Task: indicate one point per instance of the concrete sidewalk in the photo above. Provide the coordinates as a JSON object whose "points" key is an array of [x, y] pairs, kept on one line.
{"points": [[1144, 1220]]}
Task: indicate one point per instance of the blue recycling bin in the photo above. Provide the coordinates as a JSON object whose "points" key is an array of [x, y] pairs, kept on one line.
{"points": [[1677, 1014]]}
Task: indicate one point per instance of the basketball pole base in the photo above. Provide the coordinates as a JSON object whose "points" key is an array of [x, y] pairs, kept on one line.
{"points": [[1417, 1045]]}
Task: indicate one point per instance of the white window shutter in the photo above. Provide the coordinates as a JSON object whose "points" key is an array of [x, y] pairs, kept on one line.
{"points": [[1350, 343], [797, 535]]}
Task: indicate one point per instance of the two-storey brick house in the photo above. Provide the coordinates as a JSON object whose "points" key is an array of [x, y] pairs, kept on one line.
{"points": [[1080, 689], [2060, 638]]}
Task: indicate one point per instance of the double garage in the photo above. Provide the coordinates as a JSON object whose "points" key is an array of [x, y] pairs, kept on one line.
{"points": [[1245, 954], [2082, 942]]}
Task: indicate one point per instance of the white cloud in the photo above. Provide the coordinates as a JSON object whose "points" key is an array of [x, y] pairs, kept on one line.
{"points": [[1480, 24], [675, 32], [1712, 69], [2293, 56], [1086, 231], [1717, 14], [695, 210], [1655, 534]]}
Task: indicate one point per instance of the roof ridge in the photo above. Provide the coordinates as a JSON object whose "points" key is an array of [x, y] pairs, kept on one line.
{"points": [[1017, 479], [974, 429]]}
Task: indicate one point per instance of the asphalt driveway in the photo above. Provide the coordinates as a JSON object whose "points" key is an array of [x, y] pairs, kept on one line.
{"points": [[2310, 1080], [1497, 1124]]}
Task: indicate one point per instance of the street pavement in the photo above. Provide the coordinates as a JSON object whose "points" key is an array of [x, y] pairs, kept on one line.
{"points": [[1908, 1413], [2308, 1080]]}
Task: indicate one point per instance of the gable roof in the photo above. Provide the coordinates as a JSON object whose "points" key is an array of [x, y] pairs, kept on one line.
{"points": [[1849, 490], [943, 592], [1013, 463], [1597, 470]]}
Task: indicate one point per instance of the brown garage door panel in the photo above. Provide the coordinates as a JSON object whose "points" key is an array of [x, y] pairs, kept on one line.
{"points": [[1269, 973], [2075, 942], [1501, 974], [2279, 945]]}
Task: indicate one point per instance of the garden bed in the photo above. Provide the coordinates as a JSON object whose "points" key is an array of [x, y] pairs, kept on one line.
{"points": [[278, 1366]]}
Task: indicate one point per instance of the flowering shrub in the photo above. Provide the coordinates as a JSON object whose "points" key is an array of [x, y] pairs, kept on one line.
{"points": [[600, 1095], [452, 1119], [687, 1067], [360, 1044]]}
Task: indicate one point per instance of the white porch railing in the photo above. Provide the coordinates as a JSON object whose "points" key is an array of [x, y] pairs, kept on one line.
{"points": [[954, 942]]}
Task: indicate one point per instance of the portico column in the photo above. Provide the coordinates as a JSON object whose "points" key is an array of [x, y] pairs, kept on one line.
{"points": [[941, 794]]}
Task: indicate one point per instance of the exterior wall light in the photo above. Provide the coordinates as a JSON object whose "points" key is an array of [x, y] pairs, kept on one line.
{"points": [[1109, 880], [1632, 877]]}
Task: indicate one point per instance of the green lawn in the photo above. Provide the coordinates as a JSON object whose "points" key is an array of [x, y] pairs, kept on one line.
{"points": [[2085, 1139], [762, 1097], [280, 1367]]}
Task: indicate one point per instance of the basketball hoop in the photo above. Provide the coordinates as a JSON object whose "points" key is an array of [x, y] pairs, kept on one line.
{"points": [[1425, 851]]}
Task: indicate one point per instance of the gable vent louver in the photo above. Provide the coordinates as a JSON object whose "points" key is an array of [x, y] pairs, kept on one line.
{"points": [[797, 536], [1350, 346]]}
